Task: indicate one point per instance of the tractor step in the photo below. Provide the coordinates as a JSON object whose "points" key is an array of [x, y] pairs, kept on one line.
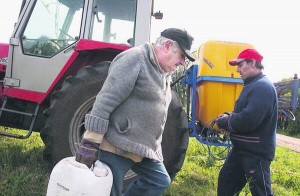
{"points": [[33, 116]]}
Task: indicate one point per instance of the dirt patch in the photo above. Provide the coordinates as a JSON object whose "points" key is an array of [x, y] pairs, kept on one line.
{"points": [[288, 142]]}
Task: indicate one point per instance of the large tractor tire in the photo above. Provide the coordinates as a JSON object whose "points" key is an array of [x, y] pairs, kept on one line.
{"points": [[65, 117]]}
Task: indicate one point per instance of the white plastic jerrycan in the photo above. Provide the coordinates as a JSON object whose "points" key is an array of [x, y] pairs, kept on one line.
{"points": [[71, 178]]}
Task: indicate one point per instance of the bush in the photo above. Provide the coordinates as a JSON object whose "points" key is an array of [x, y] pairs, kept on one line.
{"points": [[293, 126]]}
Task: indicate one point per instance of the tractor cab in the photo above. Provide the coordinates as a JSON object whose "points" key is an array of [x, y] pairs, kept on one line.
{"points": [[53, 39]]}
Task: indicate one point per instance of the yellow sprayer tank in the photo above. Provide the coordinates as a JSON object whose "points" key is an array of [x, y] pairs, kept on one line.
{"points": [[218, 83]]}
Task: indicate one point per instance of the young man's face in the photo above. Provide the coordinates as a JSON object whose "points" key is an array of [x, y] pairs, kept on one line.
{"points": [[247, 69]]}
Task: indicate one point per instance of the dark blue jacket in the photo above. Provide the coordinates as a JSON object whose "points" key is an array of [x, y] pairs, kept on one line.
{"points": [[252, 124]]}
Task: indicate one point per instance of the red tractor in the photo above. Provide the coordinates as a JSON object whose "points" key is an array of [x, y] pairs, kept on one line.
{"points": [[56, 62]]}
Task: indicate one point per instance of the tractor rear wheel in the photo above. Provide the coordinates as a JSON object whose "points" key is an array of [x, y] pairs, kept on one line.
{"points": [[65, 117]]}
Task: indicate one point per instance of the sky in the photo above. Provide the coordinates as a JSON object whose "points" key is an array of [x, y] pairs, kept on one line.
{"points": [[271, 26]]}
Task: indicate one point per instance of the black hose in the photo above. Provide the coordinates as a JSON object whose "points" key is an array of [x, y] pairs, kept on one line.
{"points": [[177, 80]]}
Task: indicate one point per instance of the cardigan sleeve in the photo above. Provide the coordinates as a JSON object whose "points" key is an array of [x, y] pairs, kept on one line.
{"points": [[117, 87]]}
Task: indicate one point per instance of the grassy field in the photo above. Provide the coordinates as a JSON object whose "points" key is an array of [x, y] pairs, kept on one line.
{"points": [[24, 172]]}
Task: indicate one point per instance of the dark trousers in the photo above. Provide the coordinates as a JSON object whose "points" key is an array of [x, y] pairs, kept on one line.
{"points": [[153, 177], [239, 169]]}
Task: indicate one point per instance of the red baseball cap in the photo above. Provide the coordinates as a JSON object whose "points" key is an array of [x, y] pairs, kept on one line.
{"points": [[249, 53]]}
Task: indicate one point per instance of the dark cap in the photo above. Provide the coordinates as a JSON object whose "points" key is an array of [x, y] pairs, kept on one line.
{"points": [[183, 39], [249, 53]]}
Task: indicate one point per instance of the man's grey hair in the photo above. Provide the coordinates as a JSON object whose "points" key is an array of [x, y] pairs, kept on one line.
{"points": [[160, 41]]}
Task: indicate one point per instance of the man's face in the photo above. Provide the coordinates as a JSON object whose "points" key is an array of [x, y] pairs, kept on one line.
{"points": [[247, 69], [173, 57]]}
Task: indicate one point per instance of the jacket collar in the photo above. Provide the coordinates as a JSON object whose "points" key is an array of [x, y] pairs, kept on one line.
{"points": [[253, 79]]}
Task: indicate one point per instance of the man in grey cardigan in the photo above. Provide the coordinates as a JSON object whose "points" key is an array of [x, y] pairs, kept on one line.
{"points": [[130, 112]]}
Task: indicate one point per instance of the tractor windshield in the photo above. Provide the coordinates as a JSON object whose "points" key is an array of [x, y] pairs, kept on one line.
{"points": [[54, 25], [50, 28]]}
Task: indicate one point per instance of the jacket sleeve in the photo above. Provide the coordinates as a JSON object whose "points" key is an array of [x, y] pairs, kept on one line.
{"points": [[258, 104]]}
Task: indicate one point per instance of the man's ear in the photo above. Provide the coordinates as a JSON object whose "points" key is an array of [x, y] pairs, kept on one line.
{"points": [[167, 45]]}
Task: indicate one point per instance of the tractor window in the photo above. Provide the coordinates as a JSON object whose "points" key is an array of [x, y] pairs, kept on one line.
{"points": [[114, 21], [53, 26]]}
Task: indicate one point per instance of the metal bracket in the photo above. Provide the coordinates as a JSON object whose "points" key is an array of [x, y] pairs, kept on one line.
{"points": [[11, 82]]}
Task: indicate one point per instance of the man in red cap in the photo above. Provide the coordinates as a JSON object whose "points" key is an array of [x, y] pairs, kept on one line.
{"points": [[252, 128]]}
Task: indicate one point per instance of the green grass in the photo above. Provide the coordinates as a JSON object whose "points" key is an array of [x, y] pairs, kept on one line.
{"points": [[24, 172], [199, 173], [287, 132], [22, 168]]}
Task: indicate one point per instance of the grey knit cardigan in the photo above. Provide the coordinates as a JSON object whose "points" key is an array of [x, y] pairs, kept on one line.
{"points": [[131, 108]]}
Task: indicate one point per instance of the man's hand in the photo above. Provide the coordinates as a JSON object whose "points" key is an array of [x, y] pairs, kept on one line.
{"points": [[222, 121], [87, 152]]}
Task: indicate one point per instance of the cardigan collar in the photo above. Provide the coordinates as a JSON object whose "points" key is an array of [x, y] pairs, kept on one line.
{"points": [[154, 58]]}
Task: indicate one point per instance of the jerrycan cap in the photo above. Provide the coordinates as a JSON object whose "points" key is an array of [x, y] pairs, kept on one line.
{"points": [[99, 169]]}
